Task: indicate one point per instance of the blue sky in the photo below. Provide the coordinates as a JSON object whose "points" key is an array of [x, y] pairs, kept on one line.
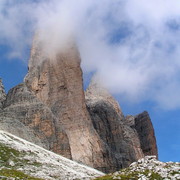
{"points": [[132, 47]]}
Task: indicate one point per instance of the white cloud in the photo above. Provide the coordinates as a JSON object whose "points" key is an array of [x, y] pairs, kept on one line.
{"points": [[16, 26], [133, 45]]}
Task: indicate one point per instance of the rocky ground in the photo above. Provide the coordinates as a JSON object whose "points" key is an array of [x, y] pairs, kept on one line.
{"points": [[148, 168], [20, 159]]}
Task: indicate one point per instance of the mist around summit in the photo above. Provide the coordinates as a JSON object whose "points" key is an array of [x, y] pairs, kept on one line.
{"points": [[132, 46]]}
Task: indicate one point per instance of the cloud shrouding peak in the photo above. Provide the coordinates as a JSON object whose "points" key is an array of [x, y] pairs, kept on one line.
{"points": [[133, 46]]}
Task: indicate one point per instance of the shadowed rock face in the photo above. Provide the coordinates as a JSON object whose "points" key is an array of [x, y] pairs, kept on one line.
{"points": [[51, 109], [144, 127], [2, 94], [109, 121]]}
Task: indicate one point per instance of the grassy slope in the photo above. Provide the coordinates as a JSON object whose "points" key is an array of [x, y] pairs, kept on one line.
{"points": [[10, 160], [20, 159]]}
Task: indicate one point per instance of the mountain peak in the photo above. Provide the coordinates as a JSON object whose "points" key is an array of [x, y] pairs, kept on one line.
{"points": [[51, 109], [98, 92]]}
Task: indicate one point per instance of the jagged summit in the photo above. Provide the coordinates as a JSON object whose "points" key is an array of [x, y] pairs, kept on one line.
{"points": [[51, 109], [97, 92]]}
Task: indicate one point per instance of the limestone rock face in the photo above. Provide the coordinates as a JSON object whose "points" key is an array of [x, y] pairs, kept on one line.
{"points": [[109, 121], [145, 130], [96, 92], [2, 94], [34, 117], [51, 109], [57, 83]]}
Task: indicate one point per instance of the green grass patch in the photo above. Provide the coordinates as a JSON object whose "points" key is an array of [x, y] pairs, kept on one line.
{"points": [[18, 175], [106, 177], [8, 154]]}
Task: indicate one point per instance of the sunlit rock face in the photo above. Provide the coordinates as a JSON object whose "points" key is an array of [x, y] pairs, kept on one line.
{"points": [[90, 128], [57, 82]]}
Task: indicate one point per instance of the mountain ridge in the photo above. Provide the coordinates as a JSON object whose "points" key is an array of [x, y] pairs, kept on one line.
{"points": [[51, 109]]}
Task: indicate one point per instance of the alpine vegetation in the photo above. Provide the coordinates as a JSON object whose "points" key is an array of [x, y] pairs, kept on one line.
{"points": [[20, 159], [148, 168]]}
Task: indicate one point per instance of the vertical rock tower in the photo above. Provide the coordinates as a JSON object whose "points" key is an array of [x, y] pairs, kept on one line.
{"points": [[56, 80]]}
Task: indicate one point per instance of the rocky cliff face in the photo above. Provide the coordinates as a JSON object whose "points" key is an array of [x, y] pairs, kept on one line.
{"points": [[2, 94], [57, 83], [144, 128], [23, 106], [120, 136], [51, 109]]}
